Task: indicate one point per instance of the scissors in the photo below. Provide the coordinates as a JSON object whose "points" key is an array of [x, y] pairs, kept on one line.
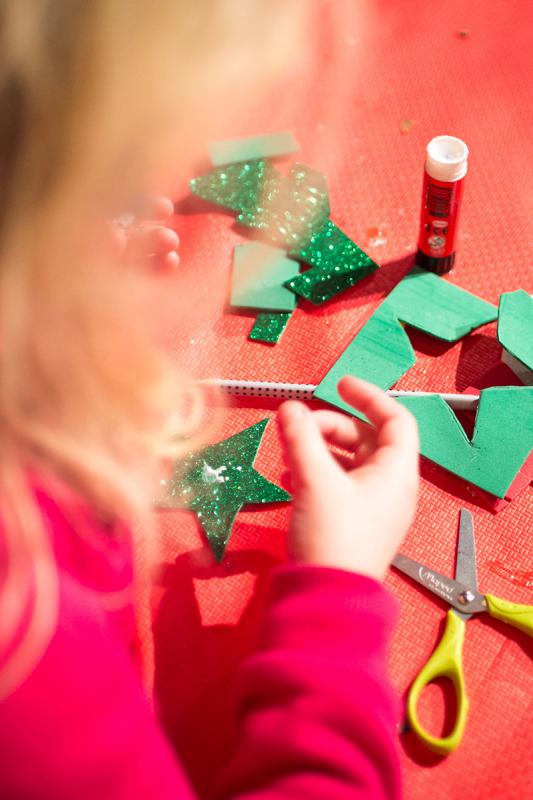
{"points": [[446, 661]]}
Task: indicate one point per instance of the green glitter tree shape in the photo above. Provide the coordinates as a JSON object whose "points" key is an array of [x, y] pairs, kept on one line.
{"points": [[218, 481], [290, 211]]}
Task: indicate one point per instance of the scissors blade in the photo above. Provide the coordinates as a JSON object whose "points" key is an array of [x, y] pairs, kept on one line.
{"points": [[465, 568], [447, 588], [465, 564]]}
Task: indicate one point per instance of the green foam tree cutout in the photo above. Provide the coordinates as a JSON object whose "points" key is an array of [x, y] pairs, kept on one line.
{"points": [[218, 481], [291, 211], [501, 442], [515, 331], [381, 352]]}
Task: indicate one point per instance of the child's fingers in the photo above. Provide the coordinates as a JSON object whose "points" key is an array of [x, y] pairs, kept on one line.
{"points": [[397, 432], [153, 207], [306, 451], [153, 241], [339, 429], [395, 425], [170, 260]]}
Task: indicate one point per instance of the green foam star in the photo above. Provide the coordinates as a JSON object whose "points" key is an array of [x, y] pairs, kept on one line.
{"points": [[218, 481]]}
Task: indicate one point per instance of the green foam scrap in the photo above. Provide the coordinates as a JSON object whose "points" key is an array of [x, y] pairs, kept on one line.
{"points": [[269, 145], [381, 352], [259, 272], [337, 263], [501, 442], [269, 326], [515, 325]]}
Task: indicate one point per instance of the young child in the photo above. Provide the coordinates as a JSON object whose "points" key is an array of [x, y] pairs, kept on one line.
{"points": [[89, 402]]}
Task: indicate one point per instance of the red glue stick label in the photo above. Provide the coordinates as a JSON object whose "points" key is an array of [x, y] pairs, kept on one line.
{"points": [[440, 210], [441, 201]]}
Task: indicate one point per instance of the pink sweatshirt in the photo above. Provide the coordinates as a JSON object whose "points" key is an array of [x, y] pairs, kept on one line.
{"points": [[316, 713]]}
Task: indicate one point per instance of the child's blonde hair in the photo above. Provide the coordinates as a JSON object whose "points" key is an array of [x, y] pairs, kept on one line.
{"points": [[94, 98]]}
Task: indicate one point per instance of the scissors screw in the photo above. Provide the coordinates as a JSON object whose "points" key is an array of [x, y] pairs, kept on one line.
{"points": [[466, 597]]}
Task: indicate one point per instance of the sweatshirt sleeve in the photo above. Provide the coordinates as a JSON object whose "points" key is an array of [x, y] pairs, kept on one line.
{"points": [[80, 725], [317, 715]]}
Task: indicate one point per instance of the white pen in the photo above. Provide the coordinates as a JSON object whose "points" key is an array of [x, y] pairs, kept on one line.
{"points": [[305, 391]]}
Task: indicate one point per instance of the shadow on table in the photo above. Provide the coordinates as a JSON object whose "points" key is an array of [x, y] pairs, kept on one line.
{"points": [[196, 664]]}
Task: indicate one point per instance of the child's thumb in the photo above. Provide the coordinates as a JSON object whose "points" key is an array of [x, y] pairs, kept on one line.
{"points": [[305, 449]]}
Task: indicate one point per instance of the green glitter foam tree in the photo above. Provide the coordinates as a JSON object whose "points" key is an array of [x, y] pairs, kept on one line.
{"points": [[293, 212]]}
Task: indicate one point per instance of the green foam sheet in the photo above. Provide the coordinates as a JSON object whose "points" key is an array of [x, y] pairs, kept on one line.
{"points": [[515, 325], [501, 442]]}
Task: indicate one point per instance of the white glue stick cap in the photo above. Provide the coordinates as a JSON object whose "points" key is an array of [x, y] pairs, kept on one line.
{"points": [[447, 158]]}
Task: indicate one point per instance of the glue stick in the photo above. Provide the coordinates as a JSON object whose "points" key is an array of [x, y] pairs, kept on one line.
{"points": [[445, 169]]}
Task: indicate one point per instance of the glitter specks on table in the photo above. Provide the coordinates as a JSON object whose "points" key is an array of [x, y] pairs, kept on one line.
{"points": [[216, 482]]}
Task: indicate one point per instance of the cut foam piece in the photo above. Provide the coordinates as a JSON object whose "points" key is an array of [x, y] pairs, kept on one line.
{"points": [[515, 333], [381, 352], [501, 442], [269, 145], [259, 272], [522, 479]]}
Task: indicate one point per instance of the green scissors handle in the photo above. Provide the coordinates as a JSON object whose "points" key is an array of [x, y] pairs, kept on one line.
{"points": [[515, 614], [445, 662]]}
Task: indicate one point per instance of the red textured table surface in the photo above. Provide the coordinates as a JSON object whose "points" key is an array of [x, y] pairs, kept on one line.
{"points": [[371, 70]]}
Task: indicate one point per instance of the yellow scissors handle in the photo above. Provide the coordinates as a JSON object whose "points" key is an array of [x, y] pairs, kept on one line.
{"points": [[515, 614], [445, 662]]}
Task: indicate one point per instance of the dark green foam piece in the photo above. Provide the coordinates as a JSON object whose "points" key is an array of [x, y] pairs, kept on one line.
{"points": [[501, 442], [515, 325], [269, 325], [381, 352], [259, 272], [337, 263]]}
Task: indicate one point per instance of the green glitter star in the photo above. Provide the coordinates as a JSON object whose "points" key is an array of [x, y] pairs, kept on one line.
{"points": [[218, 481], [293, 212]]}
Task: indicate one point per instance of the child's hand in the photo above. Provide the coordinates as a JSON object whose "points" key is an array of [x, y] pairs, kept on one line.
{"points": [[351, 515], [150, 242]]}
